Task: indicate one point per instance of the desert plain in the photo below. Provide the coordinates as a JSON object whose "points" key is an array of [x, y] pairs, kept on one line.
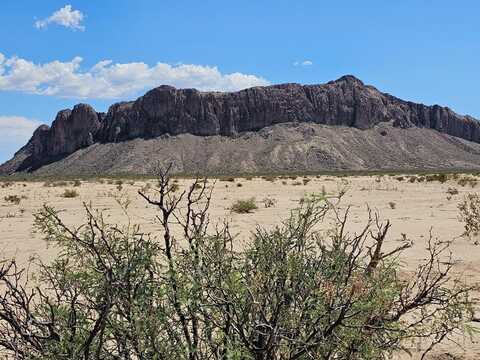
{"points": [[414, 208]]}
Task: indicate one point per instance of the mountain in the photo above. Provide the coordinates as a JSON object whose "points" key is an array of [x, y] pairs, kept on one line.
{"points": [[343, 124]]}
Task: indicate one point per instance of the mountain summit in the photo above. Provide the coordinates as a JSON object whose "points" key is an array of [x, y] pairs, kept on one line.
{"points": [[292, 113]]}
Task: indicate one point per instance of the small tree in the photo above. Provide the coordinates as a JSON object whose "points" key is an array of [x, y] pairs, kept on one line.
{"points": [[298, 291]]}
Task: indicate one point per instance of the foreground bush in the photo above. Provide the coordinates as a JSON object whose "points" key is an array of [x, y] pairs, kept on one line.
{"points": [[298, 291]]}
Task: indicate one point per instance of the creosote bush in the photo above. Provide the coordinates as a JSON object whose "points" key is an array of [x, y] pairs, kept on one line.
{"points": [[70, 193], [304, 289], [244, 206]]}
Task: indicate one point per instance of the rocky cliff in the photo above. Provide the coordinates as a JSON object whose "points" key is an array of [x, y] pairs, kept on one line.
{"points": [[167, 111]]}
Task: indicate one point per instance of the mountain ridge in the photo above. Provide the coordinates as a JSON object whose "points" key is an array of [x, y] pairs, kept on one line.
{"points": [[166, 111]]}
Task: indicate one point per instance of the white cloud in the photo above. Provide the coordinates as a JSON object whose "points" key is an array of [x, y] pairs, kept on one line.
{"points": [[303, 63], [66, 16], [17, 129], [107, 80]]}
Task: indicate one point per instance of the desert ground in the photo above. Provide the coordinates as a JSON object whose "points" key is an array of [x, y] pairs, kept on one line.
{"points": [[414, 209]]}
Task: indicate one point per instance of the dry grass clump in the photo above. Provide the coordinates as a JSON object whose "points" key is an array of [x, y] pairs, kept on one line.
{"points": [[70, 193], [6, 184], [77, 183], [269, 178], [269, 202], [244, 206], [465, 180], [452, 191], [229, 179], [392, 205], [55, 183], [441, 178]]}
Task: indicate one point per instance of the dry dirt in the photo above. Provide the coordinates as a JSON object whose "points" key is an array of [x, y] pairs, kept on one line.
{"points": [[413, 209]]}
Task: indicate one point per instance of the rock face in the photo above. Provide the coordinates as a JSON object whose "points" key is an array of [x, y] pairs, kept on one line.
{"points": [[169, 111]]}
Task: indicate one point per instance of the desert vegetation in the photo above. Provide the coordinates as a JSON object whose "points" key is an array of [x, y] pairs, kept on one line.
{"points": [[244, 206], [70, 193], [306, 288]]}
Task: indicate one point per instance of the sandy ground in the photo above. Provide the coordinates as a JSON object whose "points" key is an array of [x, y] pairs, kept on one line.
{"points": [[413, 209]]}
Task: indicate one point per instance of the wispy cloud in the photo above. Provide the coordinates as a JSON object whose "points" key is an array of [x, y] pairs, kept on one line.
{"points": [[17, 129], [107, 80], [66, 17], [303, 63]]}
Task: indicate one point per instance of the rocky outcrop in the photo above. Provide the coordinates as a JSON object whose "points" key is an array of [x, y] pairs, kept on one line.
{"points": [[169, 111]]}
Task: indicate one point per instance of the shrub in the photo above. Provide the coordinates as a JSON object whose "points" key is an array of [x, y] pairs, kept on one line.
{"points": [[392, 205], [452, 191], [306, 181], [70, 193], [470, 214], [77, 183], [269, 202], [269, 178], [463, 181], [300, 290], [400, 178], [55, 184], [436, 177], [7, 184], [239, 184], [14, 199], [244, 206], [229, 179]]}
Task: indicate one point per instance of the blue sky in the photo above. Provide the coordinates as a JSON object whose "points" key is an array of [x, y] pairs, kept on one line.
{"points": [[54, 54]]}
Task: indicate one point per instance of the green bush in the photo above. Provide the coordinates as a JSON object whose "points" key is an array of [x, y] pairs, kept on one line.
{"points": [[244, 206], [70, 193]]}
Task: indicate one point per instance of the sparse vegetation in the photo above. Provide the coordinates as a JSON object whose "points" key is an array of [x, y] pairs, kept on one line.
{"points": [[244, 206], [77, 183], [452, 191], [269, 202], [436, 177], [463, 181], [392, 205], [229, 179], [304, 289], [14, 199], [55, 183], [70, 193]]}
